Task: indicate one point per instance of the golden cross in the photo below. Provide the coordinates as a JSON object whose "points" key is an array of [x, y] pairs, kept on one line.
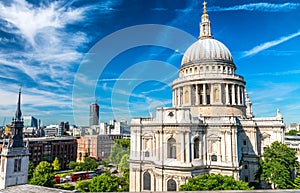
{"points": [[204, 6]]}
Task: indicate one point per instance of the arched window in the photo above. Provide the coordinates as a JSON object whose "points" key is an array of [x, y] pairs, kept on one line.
{"points": [[172, 148], [147, 181], [196, 148], [171, 185], [214, 158]]}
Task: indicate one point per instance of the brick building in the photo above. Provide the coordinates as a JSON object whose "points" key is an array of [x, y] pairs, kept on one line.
{"points": [[96, 146], [47, 148]]}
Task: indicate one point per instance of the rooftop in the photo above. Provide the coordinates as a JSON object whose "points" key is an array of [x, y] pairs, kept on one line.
{"points": [[28, 188]]}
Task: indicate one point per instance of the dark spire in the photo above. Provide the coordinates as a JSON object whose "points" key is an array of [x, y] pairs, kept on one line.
{"points": [[18, 114]]}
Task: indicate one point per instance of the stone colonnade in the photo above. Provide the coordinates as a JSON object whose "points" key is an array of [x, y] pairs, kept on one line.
{"points": [[209, 93]]}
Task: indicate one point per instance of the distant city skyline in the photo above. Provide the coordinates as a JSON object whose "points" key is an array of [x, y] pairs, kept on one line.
{"points": [[45, 45]]}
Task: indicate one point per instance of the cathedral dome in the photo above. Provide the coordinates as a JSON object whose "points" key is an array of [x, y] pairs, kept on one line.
{"points": [[206, 49]]}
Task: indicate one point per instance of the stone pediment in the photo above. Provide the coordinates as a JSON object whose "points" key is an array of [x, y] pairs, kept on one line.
{"points": [[213, 137], [265, 135]]}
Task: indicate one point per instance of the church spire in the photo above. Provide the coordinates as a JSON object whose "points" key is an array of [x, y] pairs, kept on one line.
{"points": [[205, 29], [18, 114]]}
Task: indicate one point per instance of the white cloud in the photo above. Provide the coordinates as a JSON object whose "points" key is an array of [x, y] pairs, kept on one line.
{"points": [[263, 7], [284, 73], [31, 21], [269, 44]]}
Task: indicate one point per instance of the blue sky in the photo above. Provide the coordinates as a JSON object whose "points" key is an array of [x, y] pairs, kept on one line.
{"points": [[66, 53]]}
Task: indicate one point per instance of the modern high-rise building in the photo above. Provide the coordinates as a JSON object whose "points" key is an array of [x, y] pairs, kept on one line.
{"points": [[30, 121], [94, 114]]}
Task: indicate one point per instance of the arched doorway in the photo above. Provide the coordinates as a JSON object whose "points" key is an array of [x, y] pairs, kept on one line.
{"points": [[171, 185], [146, 181]]}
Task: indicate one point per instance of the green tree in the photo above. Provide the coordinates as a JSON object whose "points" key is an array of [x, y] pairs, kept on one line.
{"points": [[43, 175], [124, 182], [277, 166], [72, 165], [83, 186], [214, 182], [105, 183], [89, 164], [119, 149], [292, 132], [297, 182], [124, 164], [30, 169], [67, 186], [56, 164]]}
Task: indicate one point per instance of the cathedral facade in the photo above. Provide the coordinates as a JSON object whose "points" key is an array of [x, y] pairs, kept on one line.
{"points": [[209, 129]]}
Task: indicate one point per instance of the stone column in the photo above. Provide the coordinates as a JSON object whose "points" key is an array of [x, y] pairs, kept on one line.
{"points": [[201, 146], [187, 148], [227, 95], [152, 147], [233, 95], [243, 96], [234, 148], [219, 151], [138, 144], [220, 93], [212, 95], [197, 95], [190, 94], [205, 150], [204, 94], [173, 98], [162, 148], [229, 145], [178, 96], [192, 150], [182, 148], [223, 145], [238, 95], [157, 146]]}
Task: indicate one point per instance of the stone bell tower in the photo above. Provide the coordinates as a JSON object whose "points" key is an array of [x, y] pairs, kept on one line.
{"points": [[14, 155]]}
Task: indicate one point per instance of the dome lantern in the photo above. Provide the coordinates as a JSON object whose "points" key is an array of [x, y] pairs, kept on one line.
{"points": [[206, 49], [205, 29]]}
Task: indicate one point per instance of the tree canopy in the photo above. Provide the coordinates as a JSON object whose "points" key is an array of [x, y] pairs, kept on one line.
{"points": [[104, 183], [297, 182], [124, 164], [277, 165], [88, 164], [292, 132], [56, 164], [214, 182], [43, 175], [119, 149], [83, 186], [30, 169]]}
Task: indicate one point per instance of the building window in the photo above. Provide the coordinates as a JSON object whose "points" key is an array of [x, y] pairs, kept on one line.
{"points": [[214, 158], [172, 148], [171, 185], [17, 165], [196, 148], [147, 154], [246, 166], [246, 179], [147, 181], [244, 142]]}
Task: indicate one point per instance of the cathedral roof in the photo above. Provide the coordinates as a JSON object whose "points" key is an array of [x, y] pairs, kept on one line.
{"points": [[206, 48]]}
